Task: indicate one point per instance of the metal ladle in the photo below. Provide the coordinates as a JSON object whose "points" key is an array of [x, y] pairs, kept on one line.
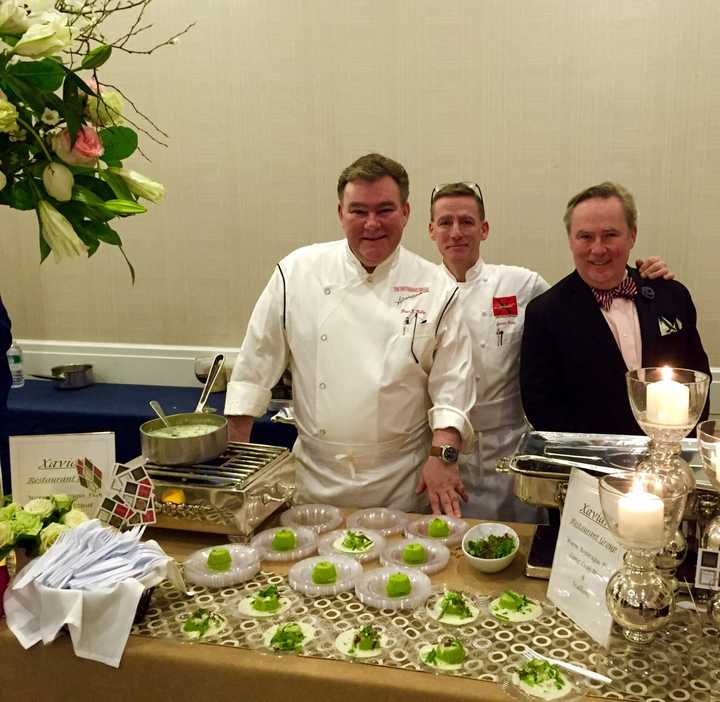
{"points": [[157, 408]]}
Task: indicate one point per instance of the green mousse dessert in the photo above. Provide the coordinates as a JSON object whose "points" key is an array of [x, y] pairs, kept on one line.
{"points": [[438, 528], [414, 554], [219, 559], [398, 585], [284, 540], [450, 651], [367, 639], [324, 573], [267, 600]]}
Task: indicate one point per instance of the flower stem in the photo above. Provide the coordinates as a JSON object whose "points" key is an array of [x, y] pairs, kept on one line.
{"points": [[37, 137]]}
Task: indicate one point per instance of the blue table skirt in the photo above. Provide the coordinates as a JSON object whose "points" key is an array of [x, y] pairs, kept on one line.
{"points": [[39, 408]]}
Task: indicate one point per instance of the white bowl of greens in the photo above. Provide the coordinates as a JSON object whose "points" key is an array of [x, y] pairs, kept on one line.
{"points": [[490, 547]]}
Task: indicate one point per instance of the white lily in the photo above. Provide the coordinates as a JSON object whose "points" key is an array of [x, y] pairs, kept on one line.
{"points": [[46, 37], [139, 185], [58, 232]]}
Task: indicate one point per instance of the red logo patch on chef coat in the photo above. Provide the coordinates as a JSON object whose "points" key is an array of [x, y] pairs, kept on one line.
{"points": [[505, 306]]}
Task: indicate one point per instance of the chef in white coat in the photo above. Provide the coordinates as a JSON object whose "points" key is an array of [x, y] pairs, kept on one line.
{"points": [[493, 299], [380, 359]]}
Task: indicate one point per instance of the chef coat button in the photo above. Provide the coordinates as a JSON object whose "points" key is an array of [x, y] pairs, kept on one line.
{"points": [[322, 432], [484, 314], [323, 337], [482, 344], [322, 386], [327, 291], [485, 280], [370, 279]]}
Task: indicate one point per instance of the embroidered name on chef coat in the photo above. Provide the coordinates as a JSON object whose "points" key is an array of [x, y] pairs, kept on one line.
{"points": [[407, 292]]}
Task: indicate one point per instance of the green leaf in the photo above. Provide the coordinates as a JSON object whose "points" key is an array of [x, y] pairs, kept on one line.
{"points": [[86, 196], [44, 246], [26, 92], [124, 207], [10, 39], [45, 74], [90, 205], [106, 234], [95, 185], [119, 143], [22, 196], [73, 102], [130, 266], [87, 236], [96, 57], [118, 185]]}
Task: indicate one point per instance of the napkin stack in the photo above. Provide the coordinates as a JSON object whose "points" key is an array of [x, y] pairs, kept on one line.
{"points": [[91, 579]]}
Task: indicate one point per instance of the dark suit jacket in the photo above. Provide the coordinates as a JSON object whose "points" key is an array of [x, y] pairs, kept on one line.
{"points": [[5, 381], [572, 374]]}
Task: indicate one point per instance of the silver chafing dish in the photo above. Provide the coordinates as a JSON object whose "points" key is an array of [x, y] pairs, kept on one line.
{"points": [[231, 494], [543, 462]]}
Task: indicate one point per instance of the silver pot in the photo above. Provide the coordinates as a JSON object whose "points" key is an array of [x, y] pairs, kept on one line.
{"points": [[187, 450], [70, 377]]}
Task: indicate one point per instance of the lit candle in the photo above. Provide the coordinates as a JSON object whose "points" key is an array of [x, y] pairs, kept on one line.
{"points": [[668, 402], [641, 518]]}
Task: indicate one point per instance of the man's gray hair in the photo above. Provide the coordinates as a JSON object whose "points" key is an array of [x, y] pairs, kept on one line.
{"points": [[605, 191]]}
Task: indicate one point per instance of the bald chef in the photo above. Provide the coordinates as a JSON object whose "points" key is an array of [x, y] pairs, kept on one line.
{"points": [[379, 357]]}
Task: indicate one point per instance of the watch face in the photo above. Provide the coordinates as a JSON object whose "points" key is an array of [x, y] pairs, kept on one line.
{"points": [[449, 454]]}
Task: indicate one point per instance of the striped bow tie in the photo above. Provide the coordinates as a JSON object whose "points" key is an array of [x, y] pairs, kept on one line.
{"points": [[627, 289]]}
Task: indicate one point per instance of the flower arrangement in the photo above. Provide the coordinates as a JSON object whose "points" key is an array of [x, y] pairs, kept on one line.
{"points": [[64, 134], [36, 525]]}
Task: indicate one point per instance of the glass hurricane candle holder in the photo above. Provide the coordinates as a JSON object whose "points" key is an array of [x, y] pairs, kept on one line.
{"points": [[643, 512], [708, 434]]}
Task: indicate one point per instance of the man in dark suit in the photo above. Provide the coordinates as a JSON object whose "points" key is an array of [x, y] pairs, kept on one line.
{"points": [[583, 334]]}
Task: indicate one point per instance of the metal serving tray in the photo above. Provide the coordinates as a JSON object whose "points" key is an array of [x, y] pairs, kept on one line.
{"points": [[544, 460], [231, 494]]}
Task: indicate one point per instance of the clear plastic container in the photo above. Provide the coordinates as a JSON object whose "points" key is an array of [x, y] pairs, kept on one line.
{"points": [[348, 571], [371, 588], [330, 544], [245, 564], [387, 521], [306, 544], [437, 554], [419, 527], [320, 518]]}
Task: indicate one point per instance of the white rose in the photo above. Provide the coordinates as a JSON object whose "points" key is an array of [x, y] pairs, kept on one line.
{"points": [[41, 507], [139, 185], [6, 534], [73, 518], [58, 232], [49, 535], [3, 180], [58, 181], [13, 19], [48, 36], [105, 109]]}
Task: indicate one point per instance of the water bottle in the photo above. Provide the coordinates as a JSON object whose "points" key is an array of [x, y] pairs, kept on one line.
{"points": [[15, 361]]}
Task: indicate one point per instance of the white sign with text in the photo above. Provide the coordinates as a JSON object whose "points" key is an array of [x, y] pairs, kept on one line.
{"points": [[585, 557], [45, 465]]}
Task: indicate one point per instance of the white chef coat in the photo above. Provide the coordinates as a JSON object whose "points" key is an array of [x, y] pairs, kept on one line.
{"points": [[374, 357], [493, 300]]}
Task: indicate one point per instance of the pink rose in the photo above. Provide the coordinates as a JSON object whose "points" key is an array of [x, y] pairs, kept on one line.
{"points": [[85, 151]]}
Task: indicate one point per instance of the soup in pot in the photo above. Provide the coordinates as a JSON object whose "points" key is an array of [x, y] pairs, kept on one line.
{"points": [[183, 431]]}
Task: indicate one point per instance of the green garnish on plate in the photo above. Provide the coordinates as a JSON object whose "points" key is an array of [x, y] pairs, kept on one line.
{"points": [[449, 651], [367, 639], [288, 637], [537, 672], [453, 603], [200, 622], [267, 600], [514, 602], [492, 546], [357, 541]]}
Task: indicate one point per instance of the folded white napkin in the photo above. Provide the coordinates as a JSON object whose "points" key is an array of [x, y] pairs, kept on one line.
{"points": [[99, 618]]}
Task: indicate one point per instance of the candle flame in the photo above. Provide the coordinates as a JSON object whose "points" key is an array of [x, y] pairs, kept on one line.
{"points": [[666, 373]]}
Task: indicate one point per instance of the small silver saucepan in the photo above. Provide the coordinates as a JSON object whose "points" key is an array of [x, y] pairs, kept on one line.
{"points": [[188, 437], [71, 377]]}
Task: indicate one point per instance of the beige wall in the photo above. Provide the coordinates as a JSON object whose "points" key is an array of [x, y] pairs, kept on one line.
{"points": [[266, 102]]}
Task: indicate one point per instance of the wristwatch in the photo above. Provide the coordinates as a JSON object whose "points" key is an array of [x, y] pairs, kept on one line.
{"points": [[447, 453]]}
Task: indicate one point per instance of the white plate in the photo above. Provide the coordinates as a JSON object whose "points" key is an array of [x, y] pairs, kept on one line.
{"points": [[371, 588], [319, 518], [245, 564], [419, 527], [438, 555], [386, 521], [330, 544], [306, 544], [348, 571]]}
